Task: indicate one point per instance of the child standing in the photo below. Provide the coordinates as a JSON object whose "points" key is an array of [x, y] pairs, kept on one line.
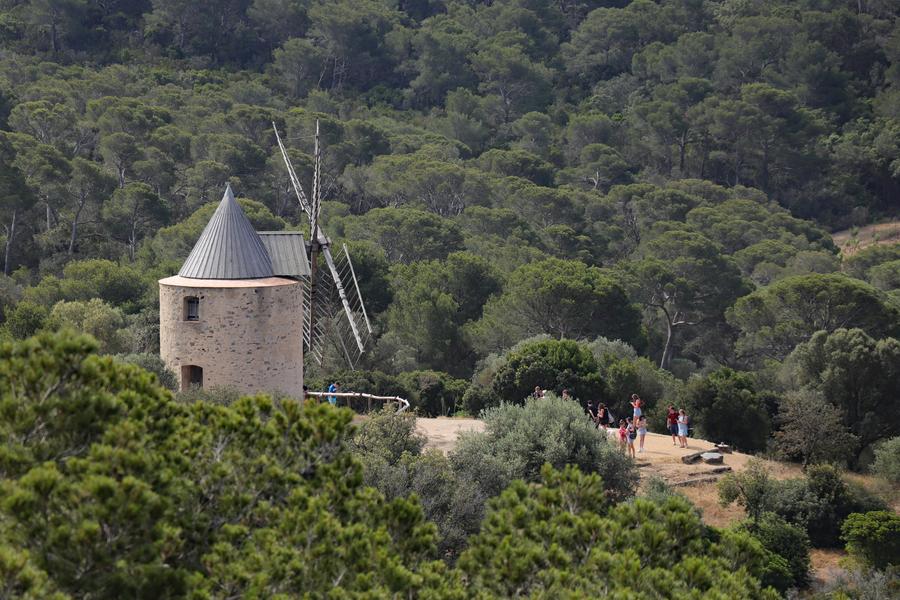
{"points": [[642, 432], [631, 430], [623, 434], [682, 427]]}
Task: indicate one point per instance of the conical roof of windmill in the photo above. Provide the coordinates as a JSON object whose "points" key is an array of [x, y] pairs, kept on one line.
{"points": [[229, 247]]}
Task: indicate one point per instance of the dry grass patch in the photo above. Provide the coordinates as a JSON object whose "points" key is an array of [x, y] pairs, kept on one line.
{"points": [[881, 233]]}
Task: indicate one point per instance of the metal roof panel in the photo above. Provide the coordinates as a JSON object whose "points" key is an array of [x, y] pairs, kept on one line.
{"points": [[229, 247], [287, 250]]}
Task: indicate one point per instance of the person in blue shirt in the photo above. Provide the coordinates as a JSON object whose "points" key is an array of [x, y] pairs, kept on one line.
{"points": [[334, 387]]}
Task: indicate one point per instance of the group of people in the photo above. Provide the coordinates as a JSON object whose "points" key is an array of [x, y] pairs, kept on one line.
{"points": [[677, 424], [538, 393], [634, 428], [630, 429]]}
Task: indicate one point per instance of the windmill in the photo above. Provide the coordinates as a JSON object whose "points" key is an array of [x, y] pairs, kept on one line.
{"points": [[333, 302]]}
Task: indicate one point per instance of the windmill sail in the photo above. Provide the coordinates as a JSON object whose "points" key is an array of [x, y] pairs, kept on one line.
{"points": [[298, 189], [362, 306], [339, 286], [333, 291]]}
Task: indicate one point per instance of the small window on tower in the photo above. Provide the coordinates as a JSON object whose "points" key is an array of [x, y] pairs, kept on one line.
{"points": [[192, 308]]}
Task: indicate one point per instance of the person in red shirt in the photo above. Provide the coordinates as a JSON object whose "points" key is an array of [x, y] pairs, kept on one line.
{"points": [[623, 434], [672, 424]]}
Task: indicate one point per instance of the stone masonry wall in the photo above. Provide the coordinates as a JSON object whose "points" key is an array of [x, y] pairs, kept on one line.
{"points": [[250, 338]]}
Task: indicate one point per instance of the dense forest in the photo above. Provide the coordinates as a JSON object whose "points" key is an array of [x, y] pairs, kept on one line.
{"points": [[604, 196]]}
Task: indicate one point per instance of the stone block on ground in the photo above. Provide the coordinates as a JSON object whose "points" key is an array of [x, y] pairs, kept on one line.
{"points": [[690, 459], [712, 458], [723, 448]]}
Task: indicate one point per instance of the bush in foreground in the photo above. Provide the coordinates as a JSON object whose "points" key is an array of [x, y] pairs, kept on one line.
{"points": [[110, 489], [391, 452], [561, 537], [519, 439], [113, 489], [786, 541]]}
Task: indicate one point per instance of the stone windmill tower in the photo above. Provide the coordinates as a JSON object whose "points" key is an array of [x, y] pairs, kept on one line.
{"points": [[234, 314]]}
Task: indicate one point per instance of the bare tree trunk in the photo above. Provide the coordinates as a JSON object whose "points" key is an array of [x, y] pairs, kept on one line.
{"points": [[54, 35], [667, 350], [74, 235], [132, 241], [9, 239]]}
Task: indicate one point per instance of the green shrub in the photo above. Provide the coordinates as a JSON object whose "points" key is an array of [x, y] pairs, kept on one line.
{"points": [[388, 435], [775, 572], [95, 317], [863, 584], [820, 502], [812, 430], [434, 393], [154, 364], [551, 364], [887, 460], [113, 490], [26, 318], [449, 500], [817, 503], [725, 408], [752, 488], [519, 439], [786, 541], [560, 537], [873, 537], [657, 490], [118, 285], [477, 398], [393, 462]]}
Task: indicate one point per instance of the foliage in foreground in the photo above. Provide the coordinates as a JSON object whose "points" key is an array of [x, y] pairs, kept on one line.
{"points": [[111, 489], [562, 537], [788, 565], [519, 439], [393, 461]]}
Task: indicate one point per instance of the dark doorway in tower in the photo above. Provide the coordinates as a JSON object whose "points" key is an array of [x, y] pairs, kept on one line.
{"points": [[191, 377]]}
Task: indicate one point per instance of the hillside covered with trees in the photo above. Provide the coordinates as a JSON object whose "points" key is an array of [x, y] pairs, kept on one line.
{"points": [[604, 196]]}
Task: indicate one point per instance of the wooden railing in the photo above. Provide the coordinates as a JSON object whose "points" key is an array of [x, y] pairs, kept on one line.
{"points": [[402, 404]]}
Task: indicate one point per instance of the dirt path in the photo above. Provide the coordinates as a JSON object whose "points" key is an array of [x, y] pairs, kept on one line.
{"points": [[443, 431], [660, 457], [881, 233]]}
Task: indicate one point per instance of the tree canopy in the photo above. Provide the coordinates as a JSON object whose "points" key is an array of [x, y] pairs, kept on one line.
{"points": [[610, 197]]}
